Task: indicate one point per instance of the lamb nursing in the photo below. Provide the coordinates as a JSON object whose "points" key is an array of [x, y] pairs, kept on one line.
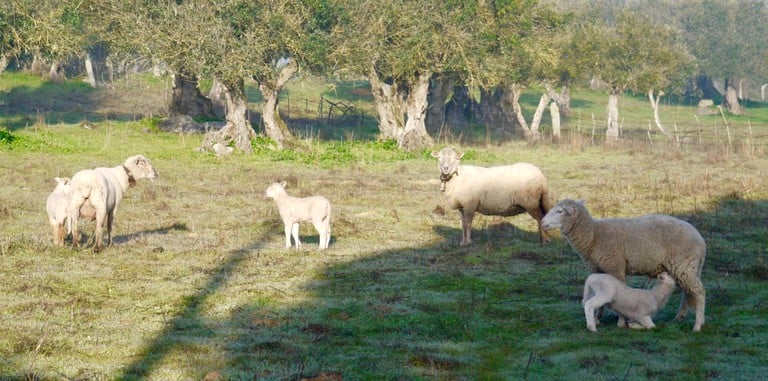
{"points": [[97, 193], [647, 245], [56, 207], [635, 305], [294, 210], [506, 190]]}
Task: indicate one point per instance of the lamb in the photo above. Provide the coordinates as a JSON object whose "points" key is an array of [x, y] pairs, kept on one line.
{"points": [[56, 206], [647, 245], [96, 193], [294, 210], [495, 191], [632, 304]]}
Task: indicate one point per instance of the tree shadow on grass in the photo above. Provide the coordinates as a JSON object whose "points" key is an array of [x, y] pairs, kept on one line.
{"points": [[483, 311], [189, 318], [178, 226]]}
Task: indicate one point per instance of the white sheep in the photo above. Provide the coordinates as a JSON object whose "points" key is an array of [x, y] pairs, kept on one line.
{"points": [[96, 193], [647, 245], [495, 191], [635, 305], [294, 210], [56, 206]]}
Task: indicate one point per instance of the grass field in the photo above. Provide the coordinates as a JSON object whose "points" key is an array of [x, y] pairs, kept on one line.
{"points": [[198, 283]]}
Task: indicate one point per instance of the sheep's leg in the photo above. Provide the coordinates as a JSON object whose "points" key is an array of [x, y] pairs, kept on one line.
{"points": [[288, 226], [55, 229], [590, 306], [327, 231], [643, 322], [694, 297], [98, 235], [295, 233], [74, 216], [321, 234], [110, 220], [622, 322], [538, 216], [62, 234], [466, 226]]}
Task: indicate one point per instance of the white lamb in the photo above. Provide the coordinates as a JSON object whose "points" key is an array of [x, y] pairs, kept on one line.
{"points": [[646, 245], [97, 192], [634, 305], [56, 206], [294, 210], [496, 191]]}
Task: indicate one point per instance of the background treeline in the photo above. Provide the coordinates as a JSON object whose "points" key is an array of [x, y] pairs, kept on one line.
{"points": [[429, 63]]}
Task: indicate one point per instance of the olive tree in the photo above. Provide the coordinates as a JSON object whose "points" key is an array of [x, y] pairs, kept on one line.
{"points": [[49, 30], [728, 40], [523, 44], [399, 46], [233, 41], [629, 53]]}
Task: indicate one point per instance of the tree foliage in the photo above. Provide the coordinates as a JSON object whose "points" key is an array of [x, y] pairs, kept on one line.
{"points": [[49, 29], [631, 53]]}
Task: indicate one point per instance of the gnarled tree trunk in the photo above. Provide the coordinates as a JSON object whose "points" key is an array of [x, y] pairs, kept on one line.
{"points": [[563, 98], [3, 63], [731, 99], [414, 136], [554, 114], [531, 133], [216, 95], [655, 106], [612, 132], [440, 91], [238, 128], [91, 75], [186, 98], [274, 126], [389, 106]]}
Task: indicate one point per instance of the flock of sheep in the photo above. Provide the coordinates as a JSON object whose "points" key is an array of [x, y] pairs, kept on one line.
{"points": [[655, 245]]}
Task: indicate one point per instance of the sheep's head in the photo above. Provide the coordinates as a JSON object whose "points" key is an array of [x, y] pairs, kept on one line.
{"points": [[139, 167], [275, 189], [447, 162], [665, 278], [62, 183], [563, 215]]}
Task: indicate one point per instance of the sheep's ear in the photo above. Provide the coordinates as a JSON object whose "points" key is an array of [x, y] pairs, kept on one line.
{"points": [[581, 202], [283, 183], [459, 155], [435, 154]]}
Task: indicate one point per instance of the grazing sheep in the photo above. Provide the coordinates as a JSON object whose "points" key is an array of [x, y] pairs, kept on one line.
{"points": [[647, 245], [295, 209], [495, 191], [56, 206], [96, 193], [635, 305]]}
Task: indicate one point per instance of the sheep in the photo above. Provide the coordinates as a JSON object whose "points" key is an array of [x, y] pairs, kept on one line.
{"points": [[294, 210], [636, 305], [646, 245], [96, 193], [494, 191], [56, 206]]}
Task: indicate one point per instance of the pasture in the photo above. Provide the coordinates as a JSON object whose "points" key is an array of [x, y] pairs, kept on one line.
{"points": [[198, 284]]}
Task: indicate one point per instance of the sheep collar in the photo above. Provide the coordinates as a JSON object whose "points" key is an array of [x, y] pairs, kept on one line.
{"points": [[131, 179], [444, 178]]}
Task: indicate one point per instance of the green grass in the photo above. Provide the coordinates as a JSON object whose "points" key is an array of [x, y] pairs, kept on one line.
{"points": [[199, 282]]}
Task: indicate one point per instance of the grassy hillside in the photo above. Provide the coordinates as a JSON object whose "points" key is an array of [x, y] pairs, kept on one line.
{"points": [[198, 282]]}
